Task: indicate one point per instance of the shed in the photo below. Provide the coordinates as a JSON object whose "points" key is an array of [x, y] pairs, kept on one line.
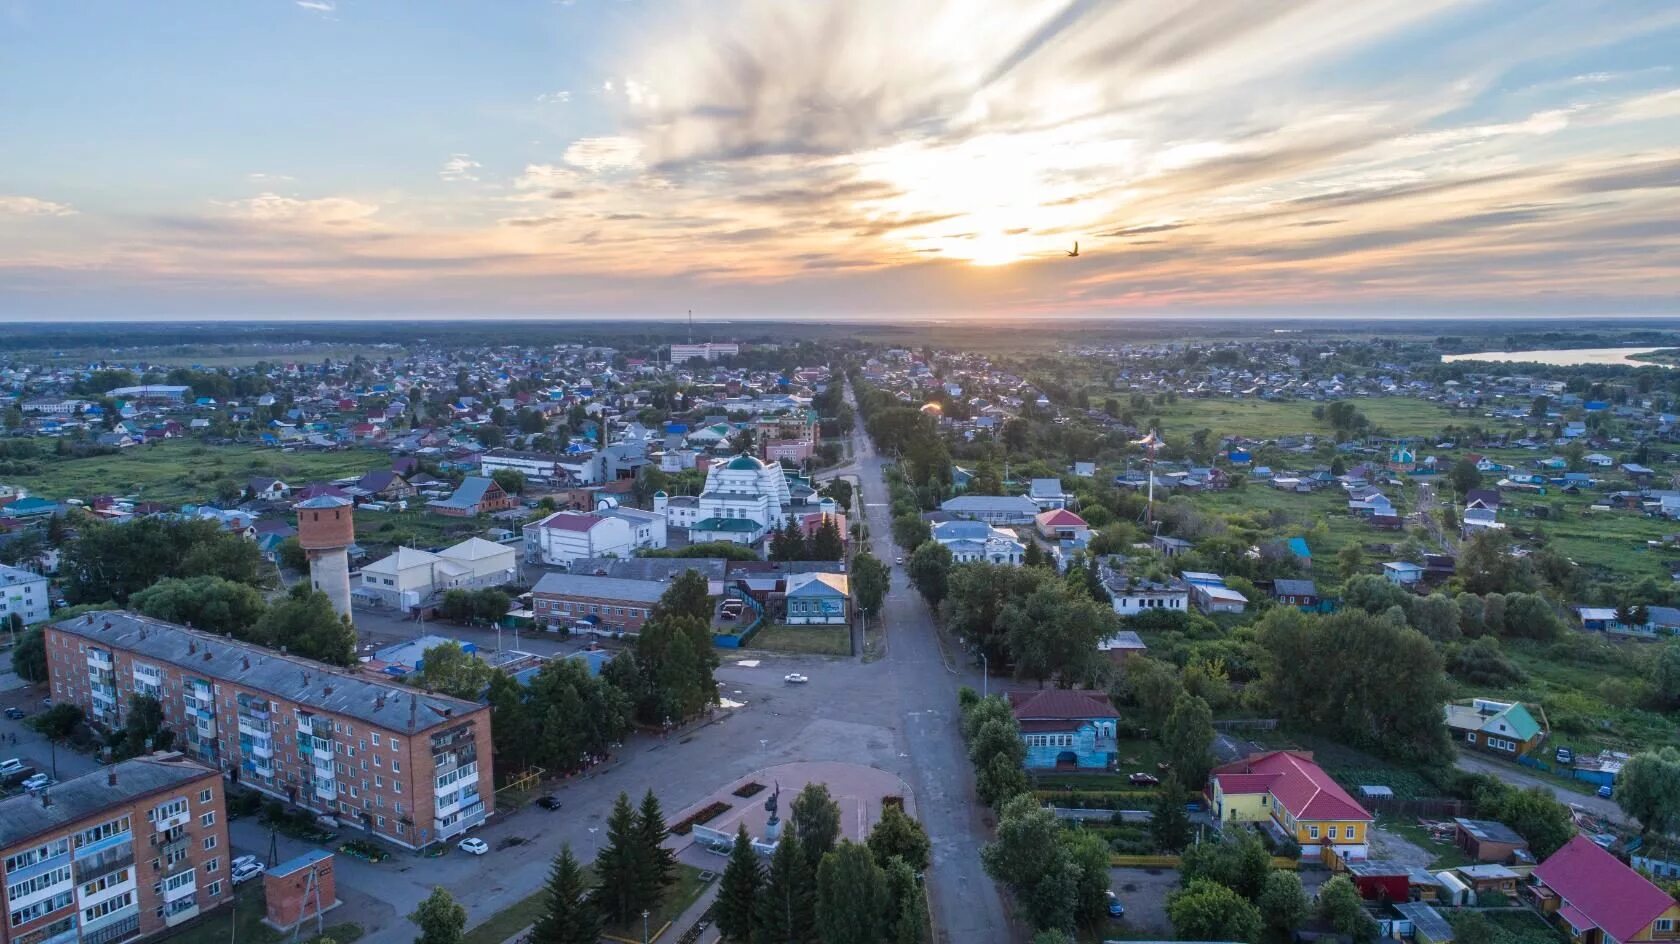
{"points": [[1454, 891], [1427, 923], [1486, 840], [1376, 791]]}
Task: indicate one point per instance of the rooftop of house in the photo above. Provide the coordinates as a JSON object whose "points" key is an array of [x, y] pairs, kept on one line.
{"points": [[1054, 704], [1487, 830], [606, 588], [1602, 892], [1301, 786], [25, 816], [248, 665]]}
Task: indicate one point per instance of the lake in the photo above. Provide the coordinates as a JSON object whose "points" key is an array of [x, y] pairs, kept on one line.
{"points": [[1567, 357]]}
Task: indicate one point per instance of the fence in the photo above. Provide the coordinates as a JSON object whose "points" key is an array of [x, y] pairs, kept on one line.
{"points": [[738, 639], [1434, 807]]}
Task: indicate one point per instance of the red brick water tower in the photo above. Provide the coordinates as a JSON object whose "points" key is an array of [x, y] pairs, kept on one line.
{"points": [[326, 529]]}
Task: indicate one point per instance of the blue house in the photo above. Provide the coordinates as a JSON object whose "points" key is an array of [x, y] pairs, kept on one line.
{"points": [[1066, 730]]}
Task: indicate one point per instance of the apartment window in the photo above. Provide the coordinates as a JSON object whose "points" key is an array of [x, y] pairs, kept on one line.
{"points": [[209, 843], [208, 819], [376, 739], [1312, 832], [394, 744], [1332, 832], [379, 782], [378, 761], [215, 890], [204, 796], [380, 798], [396, 766], [212, 866]]}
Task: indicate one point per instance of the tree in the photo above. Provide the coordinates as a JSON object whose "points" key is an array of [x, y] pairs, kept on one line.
{"points": [[815, 817], [1239, 862], [786, 907], [909, 908], [305, 623], [1029, 857], [110, 562], [441, 918], [686, 596], [851, 896], [1534, 814], [660, 863], [1152, 687], [1473, 927], [212, 604], [826, 544], [449, 669], [1207, 911], [1187, 739], [569, 918], [1665, 674], [1088, 853], [1465, 476], [1340, 905], [870, 580], [909, 531], [1436, 616], [57, 723], [1053, 633], [623, 887], [738, 889], [1283, 903], [896, 835], [143, 729], [29, 656], [1649, 790], [1169, 820], [1350, 561], [787, 543], [290, 555], [929, 568]]}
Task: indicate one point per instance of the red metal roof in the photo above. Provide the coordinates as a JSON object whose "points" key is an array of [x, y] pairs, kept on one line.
{"points": [[1061, 518], [1301, 786], [1606, 893], [1060, 704]]}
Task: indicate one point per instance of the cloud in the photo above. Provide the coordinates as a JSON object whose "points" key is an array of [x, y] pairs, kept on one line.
{"points": [[260, 177], [604, 154], [318, 6], [1145, 230], [459, 167], [327, 212], [559, 97], [32, 206]]}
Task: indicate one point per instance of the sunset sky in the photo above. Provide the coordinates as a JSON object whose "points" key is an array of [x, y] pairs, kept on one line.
{"points": [[307, 158]]}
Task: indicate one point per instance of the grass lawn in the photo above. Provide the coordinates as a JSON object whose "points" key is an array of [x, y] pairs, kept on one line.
{"points": [[804, 640], [420, 529], [1512, 927], [182, 471], [524, 913], [248, 910], [1262, 419]]}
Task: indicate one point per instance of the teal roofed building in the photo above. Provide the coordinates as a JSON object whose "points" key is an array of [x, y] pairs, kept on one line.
{"points": [[1507, 729]]}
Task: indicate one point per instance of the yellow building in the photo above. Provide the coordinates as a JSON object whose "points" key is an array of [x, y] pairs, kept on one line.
{"points": [[1286, 790]]}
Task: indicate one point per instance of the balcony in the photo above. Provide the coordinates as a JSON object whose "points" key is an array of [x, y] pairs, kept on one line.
{"points": [[100, 659], [444, 763], [263, 749], [206, 727], [325, 790], [254, 727], [324, 767], [116, 926], [184, 889], [181, 911], [456, 802], [462, 821], [110, 860], [164, 824]]}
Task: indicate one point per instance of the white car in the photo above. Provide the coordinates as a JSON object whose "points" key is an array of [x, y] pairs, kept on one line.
{"points": [[794, 678], [245, 871], [474, 845], [10, 765], [243, 860], [38, 782]]}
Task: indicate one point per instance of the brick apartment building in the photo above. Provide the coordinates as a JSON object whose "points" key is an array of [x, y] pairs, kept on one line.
{"points": [[560, 600], [410, 767], [124, 852]]}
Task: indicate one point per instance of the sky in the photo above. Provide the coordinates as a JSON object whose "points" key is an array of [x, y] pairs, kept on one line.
{"points": [[206, 159]]}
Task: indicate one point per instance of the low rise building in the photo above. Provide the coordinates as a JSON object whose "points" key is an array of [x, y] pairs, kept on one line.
{"points": [[23, 593], [566, 536], [122, 853], [1289, 794], [818, 597], [407, 766], [970, 541], [1066, 730], [1505, 728], [561, 601], [412, 577]]}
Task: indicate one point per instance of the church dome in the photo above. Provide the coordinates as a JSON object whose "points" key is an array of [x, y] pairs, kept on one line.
{"points": [[745, 463]]}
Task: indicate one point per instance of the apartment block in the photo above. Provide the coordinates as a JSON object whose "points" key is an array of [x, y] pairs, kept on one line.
{"points": [[407, 766], [122, 853], [23, 592]]}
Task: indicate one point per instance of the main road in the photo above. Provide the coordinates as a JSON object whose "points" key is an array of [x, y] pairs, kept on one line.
{"points": [[925, 678]]}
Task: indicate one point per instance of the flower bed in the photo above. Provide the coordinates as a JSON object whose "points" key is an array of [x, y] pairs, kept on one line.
{"points": [[364, 850], [752, 789], [705, 815]]}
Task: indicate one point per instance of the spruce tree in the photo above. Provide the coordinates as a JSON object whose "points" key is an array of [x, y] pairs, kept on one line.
{"points": [[826, 544], [660, 863], [570, 917], [786, 908], [620, 869], [738, 889], [852, 899], [816, 818]]}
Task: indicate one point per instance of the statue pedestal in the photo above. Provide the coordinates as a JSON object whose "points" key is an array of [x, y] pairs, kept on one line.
{"points": [[772, 830]]}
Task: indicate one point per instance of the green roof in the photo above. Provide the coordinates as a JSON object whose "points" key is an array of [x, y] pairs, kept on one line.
{"points": [[1521, 722], [746, 463], [728, 524]]}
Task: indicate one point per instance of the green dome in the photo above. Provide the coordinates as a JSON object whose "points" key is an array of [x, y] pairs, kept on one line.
{"points": [[745, 463]]}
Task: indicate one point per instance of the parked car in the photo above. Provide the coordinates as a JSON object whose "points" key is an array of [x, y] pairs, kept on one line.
{"points": [[1565, 756], [16, 714], [245, 871], [549, 802], [38, 783], [474, 845], [242, 860], [1141, 779], [794, 678], [10, 765], [1605, 791], [1115, 908]]}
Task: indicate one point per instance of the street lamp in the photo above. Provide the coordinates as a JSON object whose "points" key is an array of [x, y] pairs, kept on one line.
{"points": [[985, 676], [644, 926]]}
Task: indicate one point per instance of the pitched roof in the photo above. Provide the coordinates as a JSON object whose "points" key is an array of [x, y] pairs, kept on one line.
{"points": [[817, 585], [1060, 518], [1059, 704], [1301, 786], [1606, 892], [570, 521]]}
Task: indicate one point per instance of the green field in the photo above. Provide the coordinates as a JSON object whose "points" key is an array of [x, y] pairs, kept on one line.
{"points": [[1266, 419], [184, 471], [804, 640], [245, 924]]}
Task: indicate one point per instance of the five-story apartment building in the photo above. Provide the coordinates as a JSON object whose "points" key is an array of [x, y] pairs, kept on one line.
{"points": [[408, 766], [128, 851]]}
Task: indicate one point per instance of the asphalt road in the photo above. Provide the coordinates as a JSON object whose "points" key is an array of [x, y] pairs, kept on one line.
{"points": [[1516, 776]]}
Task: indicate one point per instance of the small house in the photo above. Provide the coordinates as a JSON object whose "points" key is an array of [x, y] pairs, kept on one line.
{"points": [[1402, 573], [1066, 730], [1486, 840]]}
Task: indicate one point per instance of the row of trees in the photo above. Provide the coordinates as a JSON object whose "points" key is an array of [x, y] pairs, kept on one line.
{"points": [[302, 622], [1041, 625], [821, 888], [791, 544]]}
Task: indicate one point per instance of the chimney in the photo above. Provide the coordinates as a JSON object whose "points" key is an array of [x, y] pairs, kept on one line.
{"points": [[46, 799], [246, 661], [110, 776]]}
